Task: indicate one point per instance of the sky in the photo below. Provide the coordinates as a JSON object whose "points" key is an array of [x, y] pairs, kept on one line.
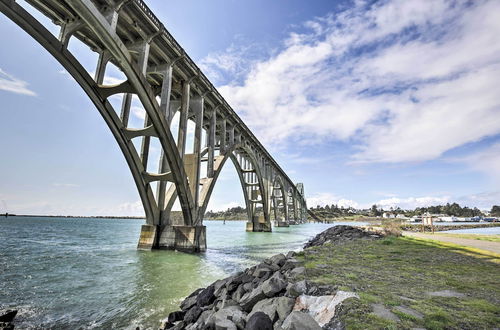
{"points": [[394, 103]]}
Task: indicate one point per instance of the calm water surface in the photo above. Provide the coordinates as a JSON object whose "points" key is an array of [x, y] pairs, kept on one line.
{"points": [[86, 273]]}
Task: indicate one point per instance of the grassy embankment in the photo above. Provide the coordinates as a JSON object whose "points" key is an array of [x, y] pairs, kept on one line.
{"points": [[402, 271]]}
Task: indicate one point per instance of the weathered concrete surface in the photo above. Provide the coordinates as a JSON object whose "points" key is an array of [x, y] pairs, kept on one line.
{"points": [[183, 238], [147, 238]]}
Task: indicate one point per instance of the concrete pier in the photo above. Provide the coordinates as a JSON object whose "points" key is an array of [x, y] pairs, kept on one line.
{"points": [[182, 238], [259, 224], [281, 223]]}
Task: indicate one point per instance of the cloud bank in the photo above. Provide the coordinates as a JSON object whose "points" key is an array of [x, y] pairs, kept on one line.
{"points": [[402, 81]]}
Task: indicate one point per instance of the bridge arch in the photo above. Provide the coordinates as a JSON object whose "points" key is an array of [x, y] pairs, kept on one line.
{"points": [[166, 81]]}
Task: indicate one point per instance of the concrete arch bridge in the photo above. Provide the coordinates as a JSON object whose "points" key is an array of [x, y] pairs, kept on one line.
{"points": [[180, 105]]}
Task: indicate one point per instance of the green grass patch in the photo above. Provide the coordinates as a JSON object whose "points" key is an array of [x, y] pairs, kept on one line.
{"points": [[401, 271]]}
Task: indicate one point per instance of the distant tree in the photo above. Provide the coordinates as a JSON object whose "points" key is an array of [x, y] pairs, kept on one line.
{"points": [[374, 211], [495, 211]]}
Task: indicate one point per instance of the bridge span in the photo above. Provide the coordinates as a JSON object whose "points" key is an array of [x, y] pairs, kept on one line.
{"points": [[167, 84]]}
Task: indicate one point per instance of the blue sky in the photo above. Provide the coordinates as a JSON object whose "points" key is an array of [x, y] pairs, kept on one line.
{"points": [[387, 102]]}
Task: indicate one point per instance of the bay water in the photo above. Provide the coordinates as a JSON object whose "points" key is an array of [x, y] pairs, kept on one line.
{"points": [[79, 273]]}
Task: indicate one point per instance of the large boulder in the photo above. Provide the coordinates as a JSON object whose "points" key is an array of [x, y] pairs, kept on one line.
{"points": [[206, 297], [176, 316], [274, 285], [338, 234], [300, 321], [249, 299], [232, 313], [266, 306], [192, 314], [322, 308], [284, 306], [296, 289], [8, 315], [259, 321]]}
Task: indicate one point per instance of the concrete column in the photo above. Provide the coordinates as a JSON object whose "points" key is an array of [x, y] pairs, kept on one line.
{"points": [[183, 118], [166, 90], [211, 144], [197, 149], [223, 141]]}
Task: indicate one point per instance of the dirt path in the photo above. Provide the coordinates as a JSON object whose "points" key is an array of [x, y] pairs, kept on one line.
{"points": [[478, 244]]}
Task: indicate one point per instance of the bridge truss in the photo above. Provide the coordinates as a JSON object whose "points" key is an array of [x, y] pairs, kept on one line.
{"points": [[171, 89]]}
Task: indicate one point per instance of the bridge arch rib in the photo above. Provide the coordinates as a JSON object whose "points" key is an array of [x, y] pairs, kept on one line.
{"points": [[165, 81]]}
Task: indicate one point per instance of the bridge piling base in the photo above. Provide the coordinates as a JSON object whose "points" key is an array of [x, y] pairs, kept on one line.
{"points": [[183, 238], [259, 224], [147, 240], [281, 224]]}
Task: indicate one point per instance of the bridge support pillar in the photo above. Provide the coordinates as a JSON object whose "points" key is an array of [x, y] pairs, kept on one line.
{"points": [[259, 224], [281, 223], [147, 240], [183, 238]]}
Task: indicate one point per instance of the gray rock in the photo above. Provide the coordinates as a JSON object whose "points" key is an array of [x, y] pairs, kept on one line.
{"points": [[274, 285], [188, 302], [277, 325], [296, 289], [233, 314], [410, 311], [284, 306], [259, 321], [300, 321], [192, 315], [205, 316], [176, 316], [206, 297], [251, 298], [298, 271], [278, 259], [266, 306], [290, 254], [290, 264], [225, 325], [248, 286], [240, 291], [381, 311], [262, 272]]}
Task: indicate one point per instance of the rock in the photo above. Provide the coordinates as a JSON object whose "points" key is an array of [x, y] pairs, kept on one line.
{"points": [[290, 264], [290, 254], [296, 289], [238, 294], [266, 306], [206, 297], [233, 314], [278, 259], [300, 321], [410, 311], [176, 316], [262, 272], [189, 302], [179, 326], [338, 234], [225, 325], [322, 309], [298, 271], [381, 311], [277, 325], [248, 286], [284, 306], [192, 315], [8, 315], [446, 293], [205, 316], [274, 285], [251, 298], [259, 321]]}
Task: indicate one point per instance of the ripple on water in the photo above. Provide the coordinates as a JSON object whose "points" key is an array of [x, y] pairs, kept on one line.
{"points": [[72, 273]]}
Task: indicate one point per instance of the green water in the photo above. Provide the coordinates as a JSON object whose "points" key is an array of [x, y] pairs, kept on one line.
{"points": [[86, 273]]}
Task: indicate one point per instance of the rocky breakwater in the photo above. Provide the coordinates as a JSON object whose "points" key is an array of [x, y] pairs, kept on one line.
{"points": [[274, 294]]}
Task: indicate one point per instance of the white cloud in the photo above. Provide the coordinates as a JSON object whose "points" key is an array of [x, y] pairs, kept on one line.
{"points": [[486, 161], [323, 199], [11, 84], [412, 202], [403, 80]]}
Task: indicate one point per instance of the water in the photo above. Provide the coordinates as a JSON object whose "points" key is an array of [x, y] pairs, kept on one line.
{"points": [[86, 273]]}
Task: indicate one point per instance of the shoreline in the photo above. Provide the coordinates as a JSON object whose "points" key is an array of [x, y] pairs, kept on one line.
{"points": [[356, 278]]}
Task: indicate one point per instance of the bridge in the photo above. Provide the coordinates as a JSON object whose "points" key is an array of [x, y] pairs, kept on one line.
{"points": [[169, 87]]}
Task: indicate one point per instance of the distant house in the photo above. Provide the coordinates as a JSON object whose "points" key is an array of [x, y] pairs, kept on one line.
{"points": [[388, 215]]}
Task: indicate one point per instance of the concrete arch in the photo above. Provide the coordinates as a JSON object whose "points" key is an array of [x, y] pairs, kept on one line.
{"points": [[244, 154]]}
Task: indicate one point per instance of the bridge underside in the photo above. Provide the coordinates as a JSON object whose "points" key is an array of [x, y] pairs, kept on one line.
{"points": [[178, 104]]}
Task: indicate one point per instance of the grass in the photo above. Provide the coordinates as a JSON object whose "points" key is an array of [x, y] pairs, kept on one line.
{"points": [[401, 271], [489, 238]]}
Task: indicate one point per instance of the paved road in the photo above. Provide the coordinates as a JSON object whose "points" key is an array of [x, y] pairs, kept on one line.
{"points": [[478, 244]]}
